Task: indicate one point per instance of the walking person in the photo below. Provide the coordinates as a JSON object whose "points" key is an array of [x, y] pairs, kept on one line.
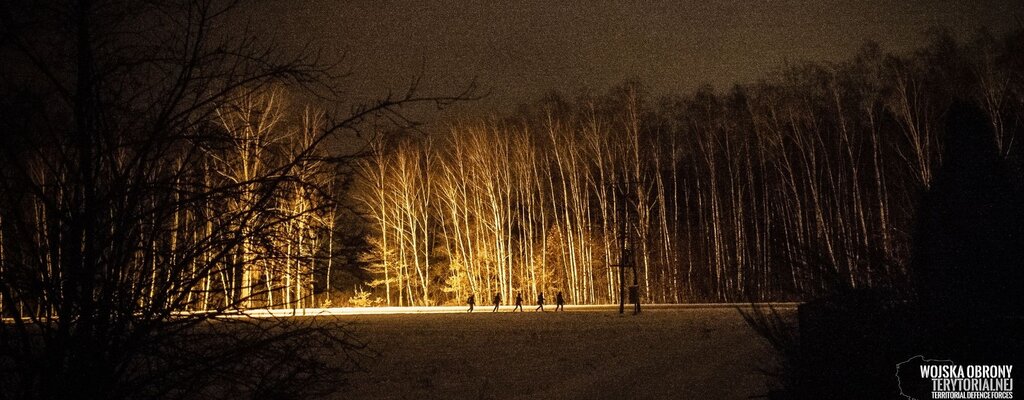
{"points": [[497, 301], [519, 302], [471, 301], [540, 302], [559, 302]]}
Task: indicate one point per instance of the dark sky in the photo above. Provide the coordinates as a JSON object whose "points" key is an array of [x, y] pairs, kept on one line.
{"points": [[520, 49]]}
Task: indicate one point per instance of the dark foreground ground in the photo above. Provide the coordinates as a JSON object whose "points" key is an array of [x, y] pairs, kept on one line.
{"points": [[669, 353]]}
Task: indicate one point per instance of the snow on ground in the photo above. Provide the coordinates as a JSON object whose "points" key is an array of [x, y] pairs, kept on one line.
{"points": [[586, 353]]}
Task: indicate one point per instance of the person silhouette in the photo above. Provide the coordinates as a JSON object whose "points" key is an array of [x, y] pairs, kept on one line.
{"points": [[519, 302], [559, 302], [967, 242], [540, 302], [471, 301], [497, 301]]}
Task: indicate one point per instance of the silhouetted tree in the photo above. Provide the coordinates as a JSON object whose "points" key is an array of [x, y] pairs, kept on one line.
{"points": [[114, 219]]}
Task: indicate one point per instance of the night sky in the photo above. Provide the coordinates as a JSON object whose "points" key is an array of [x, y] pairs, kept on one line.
{"points": [[517, 51]]}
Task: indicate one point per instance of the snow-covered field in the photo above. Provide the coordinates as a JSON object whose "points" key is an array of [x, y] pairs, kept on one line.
{"points": [[584, 353]]}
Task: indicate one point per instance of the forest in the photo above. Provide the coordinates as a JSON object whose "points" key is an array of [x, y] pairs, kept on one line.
{"points": [[801, 184]]}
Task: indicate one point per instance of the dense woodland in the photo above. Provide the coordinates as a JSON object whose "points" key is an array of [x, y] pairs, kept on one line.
{"points": [[801, 184], [804, 182]]}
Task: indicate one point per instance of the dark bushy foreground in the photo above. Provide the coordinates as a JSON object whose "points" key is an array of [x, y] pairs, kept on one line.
{"points": [[965, 302], [848, 346], [224, 358]]}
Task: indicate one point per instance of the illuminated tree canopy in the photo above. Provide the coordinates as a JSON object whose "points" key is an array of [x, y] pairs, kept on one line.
{"points": [[804, 183]]}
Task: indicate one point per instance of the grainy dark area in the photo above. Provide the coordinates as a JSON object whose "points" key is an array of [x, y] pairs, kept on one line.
{"points": [[673, 353]]}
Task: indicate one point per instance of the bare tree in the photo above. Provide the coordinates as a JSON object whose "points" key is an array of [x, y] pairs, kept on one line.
{"points": [[800, 185], [121, 212]]}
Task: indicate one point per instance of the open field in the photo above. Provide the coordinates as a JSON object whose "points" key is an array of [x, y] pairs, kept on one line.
{"points": [[586, 353]]}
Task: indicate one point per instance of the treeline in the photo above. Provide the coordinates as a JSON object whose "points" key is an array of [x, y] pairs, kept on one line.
{"points": [[235, 210], [798, 184], [803, 183]]}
